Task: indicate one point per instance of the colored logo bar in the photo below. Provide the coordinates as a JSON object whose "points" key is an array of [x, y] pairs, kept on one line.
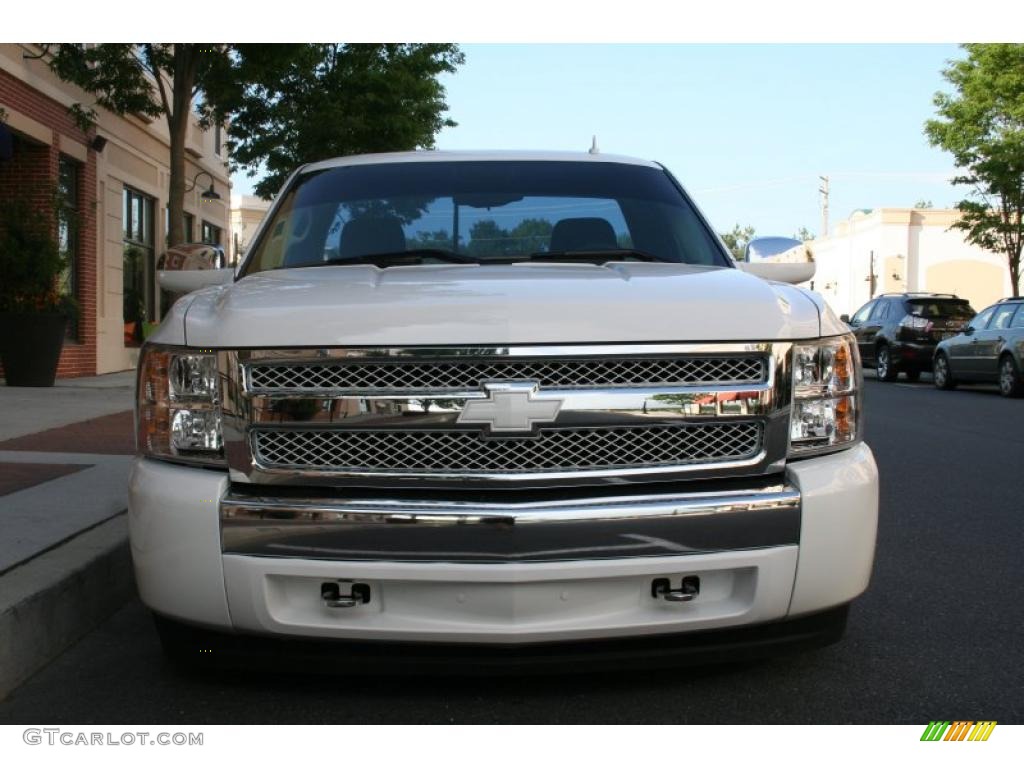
{"points": [[958, 730]]}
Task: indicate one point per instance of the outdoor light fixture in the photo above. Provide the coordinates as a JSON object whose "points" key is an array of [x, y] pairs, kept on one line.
{"points": [[209, 194], [98, 143]]}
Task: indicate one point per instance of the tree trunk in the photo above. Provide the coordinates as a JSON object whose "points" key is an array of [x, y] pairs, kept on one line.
{"points": [[185, 60]]}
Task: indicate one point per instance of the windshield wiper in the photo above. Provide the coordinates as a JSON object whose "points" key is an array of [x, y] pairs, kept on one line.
{"points": [[602, 255], [411, 257]]}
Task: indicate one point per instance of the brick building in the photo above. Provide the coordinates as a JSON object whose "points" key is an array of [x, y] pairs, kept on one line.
{"points": [[114, 224]]}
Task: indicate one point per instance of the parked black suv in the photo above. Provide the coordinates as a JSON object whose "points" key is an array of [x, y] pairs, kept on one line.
{"points": [[991, 348], [899, 331]]}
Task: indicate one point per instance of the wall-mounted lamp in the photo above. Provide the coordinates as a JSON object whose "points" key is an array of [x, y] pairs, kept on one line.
{"points": [[896, 276], [209, 194], [98, 143]]}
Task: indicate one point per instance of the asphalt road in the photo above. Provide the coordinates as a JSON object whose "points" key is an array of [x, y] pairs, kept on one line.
{"points": [[938, 635]]}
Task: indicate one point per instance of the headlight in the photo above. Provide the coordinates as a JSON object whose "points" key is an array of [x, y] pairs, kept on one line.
{"points": [[826, 396], [178, 406]]}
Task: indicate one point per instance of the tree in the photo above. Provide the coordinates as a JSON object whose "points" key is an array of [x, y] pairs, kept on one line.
{"points": [[286, 103], [151, 79], [923, 204], [982, 125], [803, 235], [487, 238], [531, 235], [329, 100], [737, 239]]}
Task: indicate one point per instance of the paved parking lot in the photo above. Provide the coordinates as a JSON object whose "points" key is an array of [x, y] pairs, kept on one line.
{"points": [[937, 636]]}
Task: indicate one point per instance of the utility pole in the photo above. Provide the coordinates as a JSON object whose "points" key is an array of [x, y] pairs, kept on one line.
{"points": [[872, 278], [823, 191]]}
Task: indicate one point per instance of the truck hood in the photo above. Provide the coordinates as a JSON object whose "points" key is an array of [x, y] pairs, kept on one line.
{"points": [[441, 305]]}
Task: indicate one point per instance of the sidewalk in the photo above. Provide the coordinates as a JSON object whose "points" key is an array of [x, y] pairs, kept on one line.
{"points": [[65, 455]]}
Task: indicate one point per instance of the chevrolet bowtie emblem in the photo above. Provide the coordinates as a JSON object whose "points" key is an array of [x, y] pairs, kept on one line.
{"points": [[511, 406]]}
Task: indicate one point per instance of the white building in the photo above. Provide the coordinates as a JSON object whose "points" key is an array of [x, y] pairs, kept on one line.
{"points": [[247, 211], [907, 249]]}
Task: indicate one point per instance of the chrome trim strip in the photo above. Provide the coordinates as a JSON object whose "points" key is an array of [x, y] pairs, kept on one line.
{"points": [[453, 531], [505, 364], [425, 354], [645, 403], [244, 410]]}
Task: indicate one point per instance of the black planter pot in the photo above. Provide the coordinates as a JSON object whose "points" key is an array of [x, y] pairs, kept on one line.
{"points": [[30, 347]]}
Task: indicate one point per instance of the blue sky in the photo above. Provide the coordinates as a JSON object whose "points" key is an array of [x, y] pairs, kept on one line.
{"points": [[746, 128]]}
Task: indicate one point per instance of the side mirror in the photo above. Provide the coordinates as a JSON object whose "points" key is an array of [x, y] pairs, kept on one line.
{"points": [[190, 266], [779, 272], [188, 280], [968, 331], [845, 318], [778, 258]]}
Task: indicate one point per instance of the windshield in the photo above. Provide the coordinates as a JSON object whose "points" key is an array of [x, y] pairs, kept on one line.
{"points": [[931, 308], [483, 212]]}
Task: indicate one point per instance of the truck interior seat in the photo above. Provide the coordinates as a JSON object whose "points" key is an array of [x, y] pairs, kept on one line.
{"points": [[583, 234], [366, 236]]}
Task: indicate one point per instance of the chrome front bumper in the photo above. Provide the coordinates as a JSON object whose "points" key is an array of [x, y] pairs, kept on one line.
{"points": [[182, 520], [602, 527]]}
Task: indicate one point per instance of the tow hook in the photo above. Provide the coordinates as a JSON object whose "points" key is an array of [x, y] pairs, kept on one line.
{"points": [[333, 597], [688, 590]]}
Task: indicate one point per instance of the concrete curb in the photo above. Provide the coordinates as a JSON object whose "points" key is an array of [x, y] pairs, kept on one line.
{"points": [[54, 599]]}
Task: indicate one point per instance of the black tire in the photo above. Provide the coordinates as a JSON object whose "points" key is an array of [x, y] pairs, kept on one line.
{"points": [[942, 372], [883, 364], [1010, 384], [182, 644], [913, 375]]}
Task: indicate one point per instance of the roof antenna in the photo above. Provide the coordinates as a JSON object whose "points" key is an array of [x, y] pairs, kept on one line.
{"points": [[593, 146]]}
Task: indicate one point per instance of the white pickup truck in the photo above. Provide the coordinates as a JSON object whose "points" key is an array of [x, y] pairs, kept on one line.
{"points": [[505, 404]]}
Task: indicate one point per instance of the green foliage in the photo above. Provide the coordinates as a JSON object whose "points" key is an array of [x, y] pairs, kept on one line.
{"points": [[440, 238], [30, 260], [489, 239], [287, 104], [295, 104], [803, 235], [150, 79], [981, 124], [923, 204], [112, 72], [736, 240]]}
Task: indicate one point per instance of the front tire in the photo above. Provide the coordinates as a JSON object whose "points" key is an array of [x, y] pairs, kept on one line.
{"points": [[1010, 384], [943, 375], [884, 367], [182, 644]]}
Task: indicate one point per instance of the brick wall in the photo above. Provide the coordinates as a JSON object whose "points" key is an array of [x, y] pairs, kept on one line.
{"points": [[34, 169]]}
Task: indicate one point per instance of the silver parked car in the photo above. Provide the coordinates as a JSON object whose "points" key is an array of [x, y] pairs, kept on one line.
{"points": [[990, 349]]}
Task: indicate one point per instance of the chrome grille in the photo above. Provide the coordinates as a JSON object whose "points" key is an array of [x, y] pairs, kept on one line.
{"points": [[451, 375], [556, 449]]}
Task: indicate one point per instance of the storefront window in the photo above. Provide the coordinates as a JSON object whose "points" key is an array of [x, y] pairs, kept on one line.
{"points": [[188, 223], [67, 232], [139, 293], [211, 233]]}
